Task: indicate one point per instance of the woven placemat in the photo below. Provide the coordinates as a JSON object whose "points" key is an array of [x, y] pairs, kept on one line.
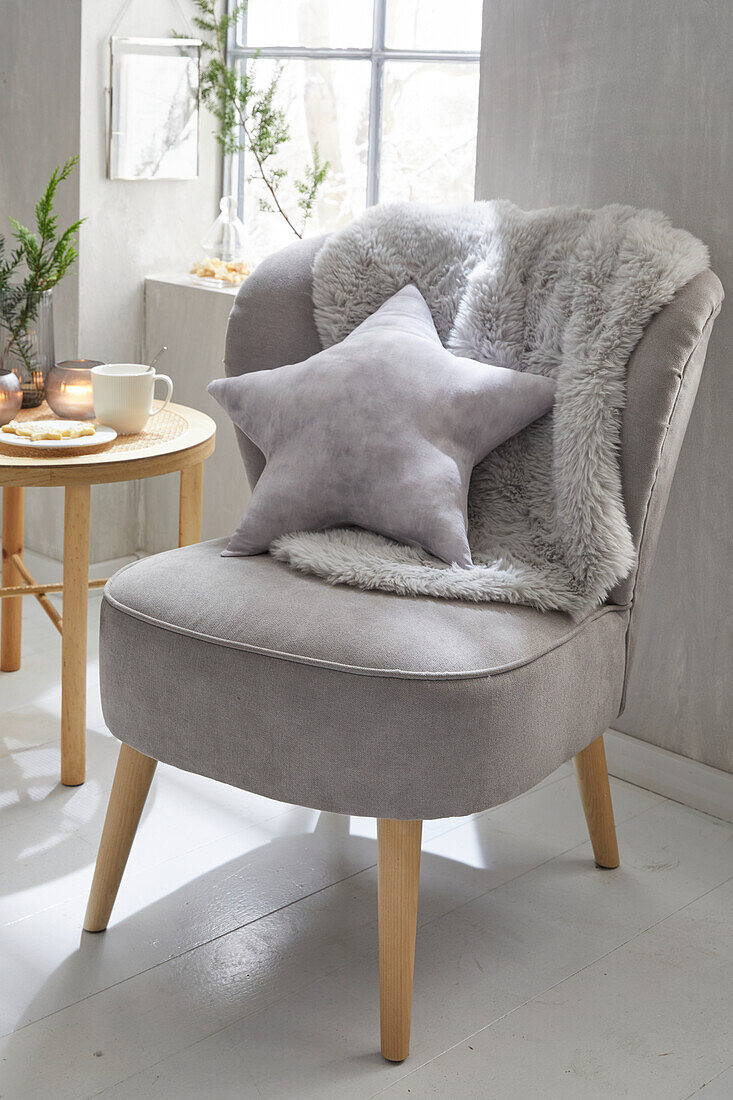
{"points": [[162, 428]]}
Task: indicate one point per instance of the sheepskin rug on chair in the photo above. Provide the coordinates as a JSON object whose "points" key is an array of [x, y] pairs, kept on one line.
{"points": [[564, 292]]}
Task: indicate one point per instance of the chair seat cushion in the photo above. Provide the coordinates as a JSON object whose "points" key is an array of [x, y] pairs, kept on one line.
{"points": [[357, 702]]}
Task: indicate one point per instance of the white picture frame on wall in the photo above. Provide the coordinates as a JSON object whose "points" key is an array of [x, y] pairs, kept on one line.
{"points": [[154, 108]]}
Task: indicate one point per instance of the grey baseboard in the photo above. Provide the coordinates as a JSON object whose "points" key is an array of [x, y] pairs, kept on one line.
{"points": [[666, 773]]}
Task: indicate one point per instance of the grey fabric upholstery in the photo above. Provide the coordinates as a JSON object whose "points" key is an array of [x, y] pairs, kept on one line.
{"points": [[662, 379], [364, 702], [661, 384], [272, 324], [356, 702]]}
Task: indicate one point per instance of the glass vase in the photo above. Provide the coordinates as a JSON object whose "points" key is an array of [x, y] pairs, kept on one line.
{"points": [[27, 345]]}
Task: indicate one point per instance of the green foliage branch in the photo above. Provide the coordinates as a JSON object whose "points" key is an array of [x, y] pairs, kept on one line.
{"points": [[40, 258], [249, 118]]}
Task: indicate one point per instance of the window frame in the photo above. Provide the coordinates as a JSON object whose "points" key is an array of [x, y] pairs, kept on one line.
{"points": [[234, 179]]}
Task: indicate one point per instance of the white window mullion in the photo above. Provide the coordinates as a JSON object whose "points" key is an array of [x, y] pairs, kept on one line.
{"points": [[237, 176], [374, 145], [233, 168]]}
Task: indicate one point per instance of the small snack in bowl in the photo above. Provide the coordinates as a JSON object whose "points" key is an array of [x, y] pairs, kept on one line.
{"points": [[226, 271], [48, 429]]}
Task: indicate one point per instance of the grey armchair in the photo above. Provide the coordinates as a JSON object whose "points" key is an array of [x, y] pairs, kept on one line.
{"points": [[364, 702]]}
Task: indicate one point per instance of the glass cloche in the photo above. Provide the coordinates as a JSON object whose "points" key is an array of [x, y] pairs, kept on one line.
{"points": [[224, 246]]}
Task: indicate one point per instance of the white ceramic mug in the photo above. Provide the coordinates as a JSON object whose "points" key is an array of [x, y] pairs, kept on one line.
{"points": [[123, 395]]}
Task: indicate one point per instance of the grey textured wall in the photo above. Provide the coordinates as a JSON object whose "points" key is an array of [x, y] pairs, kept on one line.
{"points": [[596, 101], [40, 57]]}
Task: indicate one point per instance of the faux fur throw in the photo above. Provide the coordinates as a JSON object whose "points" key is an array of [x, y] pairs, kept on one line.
{"points": [[564, 292]]}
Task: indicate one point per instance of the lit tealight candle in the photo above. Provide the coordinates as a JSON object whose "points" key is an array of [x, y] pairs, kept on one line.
{"points": [[69, 389], [11, 396]]}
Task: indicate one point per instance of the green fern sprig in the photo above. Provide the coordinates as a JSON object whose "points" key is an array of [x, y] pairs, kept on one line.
{"points": [[47, 256]]}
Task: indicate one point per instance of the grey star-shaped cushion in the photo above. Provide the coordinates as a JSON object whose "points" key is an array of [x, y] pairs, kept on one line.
{"points": [[380, 431]]}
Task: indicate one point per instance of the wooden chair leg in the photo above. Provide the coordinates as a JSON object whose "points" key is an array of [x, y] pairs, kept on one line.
{"points": [[398, 874], [595, 794], [133, 777]]}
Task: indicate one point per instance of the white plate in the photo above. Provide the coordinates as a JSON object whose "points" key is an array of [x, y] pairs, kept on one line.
{"points": [[102, 434], [215, 284]]}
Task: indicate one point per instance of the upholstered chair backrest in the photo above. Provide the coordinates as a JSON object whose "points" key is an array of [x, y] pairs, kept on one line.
{"points": [[662, 379], [272, 324]]}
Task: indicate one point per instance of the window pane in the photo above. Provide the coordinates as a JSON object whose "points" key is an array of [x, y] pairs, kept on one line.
{"points": [[433, 25], [333, 23], [429, 131], [325, 102]]}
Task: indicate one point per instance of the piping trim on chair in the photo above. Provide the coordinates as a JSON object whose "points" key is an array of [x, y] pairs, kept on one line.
{"points": [[360, 670]]}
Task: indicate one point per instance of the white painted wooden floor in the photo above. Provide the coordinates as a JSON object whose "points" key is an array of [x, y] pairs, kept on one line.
{"points": [[241, 960]]}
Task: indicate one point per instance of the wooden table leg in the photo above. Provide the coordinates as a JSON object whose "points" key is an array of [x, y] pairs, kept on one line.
{"points": [[12, 609], [74, 635], [191, 505]]}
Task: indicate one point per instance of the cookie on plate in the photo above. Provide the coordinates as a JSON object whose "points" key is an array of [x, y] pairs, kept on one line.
{"points": [[48, 429]]}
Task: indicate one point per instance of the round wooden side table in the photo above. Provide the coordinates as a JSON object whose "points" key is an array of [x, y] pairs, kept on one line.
{"points": [[178, 438]]}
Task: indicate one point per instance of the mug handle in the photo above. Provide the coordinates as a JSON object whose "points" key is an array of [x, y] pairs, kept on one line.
{"points": [[169, 384]]}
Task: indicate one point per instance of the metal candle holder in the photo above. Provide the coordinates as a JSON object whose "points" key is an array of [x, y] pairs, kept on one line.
{"points": [[11, 396]]}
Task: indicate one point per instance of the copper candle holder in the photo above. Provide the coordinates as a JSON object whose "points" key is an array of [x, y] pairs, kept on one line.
{"points": [[11, 396]]}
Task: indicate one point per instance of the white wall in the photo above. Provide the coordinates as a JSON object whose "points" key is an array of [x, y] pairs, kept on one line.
{"points": [[54, 60], [596, 101], [191, 322], [133, 227]]}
